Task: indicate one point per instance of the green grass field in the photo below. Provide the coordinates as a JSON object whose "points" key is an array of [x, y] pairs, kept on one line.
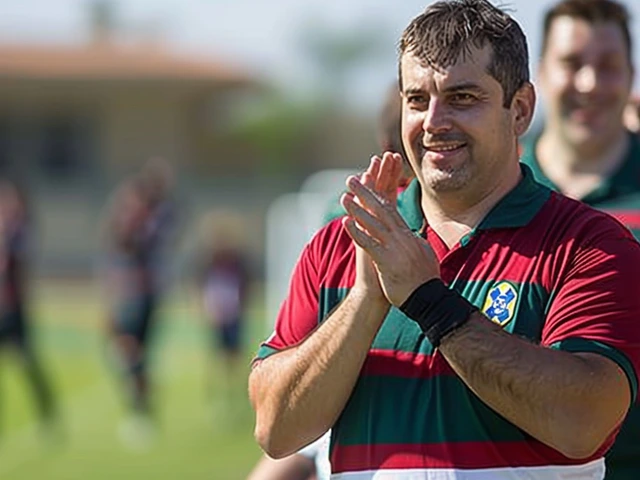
{"points": [[194, 440]]}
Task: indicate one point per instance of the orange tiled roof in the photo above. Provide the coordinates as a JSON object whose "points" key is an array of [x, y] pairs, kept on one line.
{"points": [[108, 62]]}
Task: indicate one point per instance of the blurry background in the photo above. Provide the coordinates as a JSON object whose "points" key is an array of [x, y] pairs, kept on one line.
{"points": [[246, 100]]}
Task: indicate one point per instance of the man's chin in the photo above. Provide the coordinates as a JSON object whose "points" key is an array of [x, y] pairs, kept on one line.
{"points": [[585, 135], [443, 182]]}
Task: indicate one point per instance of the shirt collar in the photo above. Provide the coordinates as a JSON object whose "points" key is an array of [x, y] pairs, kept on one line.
{"points": [[516, 209], [624, 181]]}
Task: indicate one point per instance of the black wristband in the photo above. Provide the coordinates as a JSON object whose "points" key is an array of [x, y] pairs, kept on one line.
{"points": [[437, 309]]}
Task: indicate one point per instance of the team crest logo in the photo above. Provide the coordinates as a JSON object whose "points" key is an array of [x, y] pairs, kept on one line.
{"points": [[500, 304]]}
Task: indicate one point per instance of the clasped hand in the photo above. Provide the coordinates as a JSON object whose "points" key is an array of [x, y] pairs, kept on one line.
{"points": [[399, 261]]}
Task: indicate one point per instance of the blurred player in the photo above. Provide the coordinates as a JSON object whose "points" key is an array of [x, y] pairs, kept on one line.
{"points": [[224, 279], [15, 325], [157, 179], [138, 230]]}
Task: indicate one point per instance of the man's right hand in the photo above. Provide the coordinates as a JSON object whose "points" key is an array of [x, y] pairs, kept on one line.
{"points": [[367, 280]]}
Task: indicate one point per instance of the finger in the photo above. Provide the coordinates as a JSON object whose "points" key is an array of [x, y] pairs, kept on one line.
{"points": [[395, 164], [371, 197], [365, 195], [385, 215], [388, 178], [398, 167], [374, 166], [371, 173], [365, 220], [397, 174], [368, 180], [361, 238], [381, 179], [373, 169]]}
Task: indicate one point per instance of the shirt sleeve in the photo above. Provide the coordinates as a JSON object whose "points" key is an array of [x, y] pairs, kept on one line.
{"points": [[596, 307], [298, 314]]}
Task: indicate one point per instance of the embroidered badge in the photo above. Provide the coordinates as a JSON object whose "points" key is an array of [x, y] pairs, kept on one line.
{"points": [[500, 304]]}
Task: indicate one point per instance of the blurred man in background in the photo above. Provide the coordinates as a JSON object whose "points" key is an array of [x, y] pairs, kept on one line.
{"points": [[584, 149], [138, 229], [15, 324]]}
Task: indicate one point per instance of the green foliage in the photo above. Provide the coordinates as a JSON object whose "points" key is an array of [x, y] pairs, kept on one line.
{"points": [[278, 129]]}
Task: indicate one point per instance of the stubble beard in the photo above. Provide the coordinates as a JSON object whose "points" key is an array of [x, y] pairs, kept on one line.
{"points": [[449, 179]]}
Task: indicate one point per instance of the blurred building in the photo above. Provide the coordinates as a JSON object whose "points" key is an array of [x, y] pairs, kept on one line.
{"points": [[75, 119], [73, 113]]}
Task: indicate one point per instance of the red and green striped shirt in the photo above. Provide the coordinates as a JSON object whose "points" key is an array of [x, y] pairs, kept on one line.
{"points": [[619, 196], [547, 268]]}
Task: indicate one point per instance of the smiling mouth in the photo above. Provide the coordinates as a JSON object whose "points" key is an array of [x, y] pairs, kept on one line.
{"points": [[589, 106], [444, 148], [585, 114]]}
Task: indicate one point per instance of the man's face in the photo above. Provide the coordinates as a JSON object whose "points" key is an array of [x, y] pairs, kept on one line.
{"points": [[585, 77], [456, 131]]}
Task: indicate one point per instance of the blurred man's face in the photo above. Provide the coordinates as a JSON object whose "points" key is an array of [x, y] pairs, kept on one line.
{"points": [[457, 133], [585, 77]]}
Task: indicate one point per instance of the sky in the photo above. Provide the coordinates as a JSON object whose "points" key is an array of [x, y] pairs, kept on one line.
{"points": [[261, 36]]}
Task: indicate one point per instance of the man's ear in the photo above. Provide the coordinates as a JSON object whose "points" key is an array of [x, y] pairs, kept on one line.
{"points": [[522, 107]]}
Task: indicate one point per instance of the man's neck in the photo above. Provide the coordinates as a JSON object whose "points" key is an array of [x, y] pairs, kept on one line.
{"points": [[579, 171], [454, 215]]}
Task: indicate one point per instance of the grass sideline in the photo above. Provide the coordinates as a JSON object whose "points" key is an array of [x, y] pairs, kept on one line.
{"points": [[195, 440]]}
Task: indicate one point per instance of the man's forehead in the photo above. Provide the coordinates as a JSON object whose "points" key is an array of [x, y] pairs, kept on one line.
{"points": [[471, 68], [572, 35]]}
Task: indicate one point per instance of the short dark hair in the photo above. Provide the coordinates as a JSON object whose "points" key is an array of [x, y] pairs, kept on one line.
{"points": [[591, 11], [449, 29]]}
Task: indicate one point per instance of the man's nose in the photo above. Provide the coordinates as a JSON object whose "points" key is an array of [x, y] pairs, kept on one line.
{"points": [[586, 79], [437, 118]]}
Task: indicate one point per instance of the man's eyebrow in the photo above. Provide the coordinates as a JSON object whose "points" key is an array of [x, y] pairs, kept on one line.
{"points": [[469, 86], [571, 57], [413, 91]]}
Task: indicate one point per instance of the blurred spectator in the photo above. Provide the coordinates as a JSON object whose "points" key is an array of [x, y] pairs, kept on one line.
{"points": [[15, 324], [138, 230], [224, 279], [585, 149]]}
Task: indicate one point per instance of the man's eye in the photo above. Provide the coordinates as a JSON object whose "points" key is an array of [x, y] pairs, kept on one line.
{"points": [[571, 65], [417, 102], [464, 98], [610, 66]]}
